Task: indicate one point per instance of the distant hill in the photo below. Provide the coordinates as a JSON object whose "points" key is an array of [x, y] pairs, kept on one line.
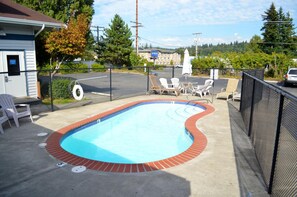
{"points": [[208, 49]]}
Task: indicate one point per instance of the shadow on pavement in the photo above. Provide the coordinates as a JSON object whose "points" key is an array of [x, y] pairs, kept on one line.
{"points": [[248, 170], [26, 169]]}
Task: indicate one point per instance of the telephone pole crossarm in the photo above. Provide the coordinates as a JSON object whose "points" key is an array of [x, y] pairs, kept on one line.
{"points": [[98, 29]]}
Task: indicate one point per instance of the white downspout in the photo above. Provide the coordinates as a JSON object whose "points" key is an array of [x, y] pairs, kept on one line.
{"points": [[42, 28]]}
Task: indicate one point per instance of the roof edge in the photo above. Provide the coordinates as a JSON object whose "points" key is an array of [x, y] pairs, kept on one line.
{"points": [[29, 22]]}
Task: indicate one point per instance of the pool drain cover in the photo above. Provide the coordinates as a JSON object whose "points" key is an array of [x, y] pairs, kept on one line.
{"points": [[78, 169], [42, 145], [41, 134], [61, 164]]}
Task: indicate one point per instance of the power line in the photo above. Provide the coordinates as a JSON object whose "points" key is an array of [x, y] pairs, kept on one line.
{"points": [[161, 44], [98, 29], [280, 43]]}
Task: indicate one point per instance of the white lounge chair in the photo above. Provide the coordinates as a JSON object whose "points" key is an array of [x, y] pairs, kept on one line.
{"points": [[230, 90], [202, 90], [3, 119], [166, 87], [7, 104]]}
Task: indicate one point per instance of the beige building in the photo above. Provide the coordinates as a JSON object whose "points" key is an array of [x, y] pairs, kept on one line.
{"points": [[165, 57]]}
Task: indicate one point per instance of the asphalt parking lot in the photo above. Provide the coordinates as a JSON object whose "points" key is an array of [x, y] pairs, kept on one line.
{"points": [[291, 89], [99, 86]]}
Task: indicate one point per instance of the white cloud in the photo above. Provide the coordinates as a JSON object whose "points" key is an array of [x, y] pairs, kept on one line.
{"points": [[172, 17]]}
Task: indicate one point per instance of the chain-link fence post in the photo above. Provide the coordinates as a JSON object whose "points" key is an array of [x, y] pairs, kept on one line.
{"points": [[252, 109], [277, 135], [51, 90], [110, 83], [147, 80]]}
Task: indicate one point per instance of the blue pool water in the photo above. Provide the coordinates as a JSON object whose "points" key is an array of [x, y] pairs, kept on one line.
{"points": [[143, 133]]}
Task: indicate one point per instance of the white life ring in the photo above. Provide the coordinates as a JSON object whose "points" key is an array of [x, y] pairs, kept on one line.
{"points": [[77, 92]]}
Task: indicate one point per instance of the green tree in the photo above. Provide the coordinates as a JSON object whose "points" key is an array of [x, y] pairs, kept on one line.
{"points": [[137, 60], [60, 10], [287, 33], [271, 30], [278, 32], [100, 50], [255, 44], [68, 43], [117, 43]]}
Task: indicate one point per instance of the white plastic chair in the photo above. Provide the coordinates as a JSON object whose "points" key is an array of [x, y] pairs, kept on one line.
{"points": [[7, 104], [175, 82], [202, 90], [166, 87], [208, 85], [3, 119]]}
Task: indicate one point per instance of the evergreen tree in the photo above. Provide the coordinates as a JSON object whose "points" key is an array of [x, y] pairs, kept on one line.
{"points": [[278, 32], [286, 30], [271, 27], [100, 49], [117, 43]]}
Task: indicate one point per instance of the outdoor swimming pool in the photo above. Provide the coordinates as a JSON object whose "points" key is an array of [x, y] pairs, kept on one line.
{"points": [[142, 133], [186, 138]]}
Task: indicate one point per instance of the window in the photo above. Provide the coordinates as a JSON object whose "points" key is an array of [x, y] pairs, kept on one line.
{"points": [[13, 65]]}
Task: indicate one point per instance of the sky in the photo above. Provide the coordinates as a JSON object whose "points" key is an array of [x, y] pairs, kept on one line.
{"points": [[173, 23]]}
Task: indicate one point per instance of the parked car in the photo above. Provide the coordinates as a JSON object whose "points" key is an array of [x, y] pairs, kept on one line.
{"points": [[178, 66], [290, 77]]}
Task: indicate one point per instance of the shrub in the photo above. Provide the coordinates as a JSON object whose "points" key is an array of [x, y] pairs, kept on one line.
{"points": [[45, 70], [72, 67], [61, 88], [98, 68], [270, 73]]}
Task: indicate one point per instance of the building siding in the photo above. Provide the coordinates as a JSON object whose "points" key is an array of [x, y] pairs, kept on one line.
{"points": [[30, 61], [164, 58]]}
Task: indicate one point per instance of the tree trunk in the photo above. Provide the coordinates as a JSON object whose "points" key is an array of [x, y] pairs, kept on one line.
{"points": [[58, 66]]}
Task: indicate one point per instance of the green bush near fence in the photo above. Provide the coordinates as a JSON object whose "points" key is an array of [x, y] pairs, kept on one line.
{"points": [[60, 88], [66, 68], [71, 67], [96, 67]]}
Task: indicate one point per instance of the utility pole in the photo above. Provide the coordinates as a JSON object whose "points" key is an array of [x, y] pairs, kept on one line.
{"points": [[136, 27], [197, 33], [98, 29], [137, 24]]}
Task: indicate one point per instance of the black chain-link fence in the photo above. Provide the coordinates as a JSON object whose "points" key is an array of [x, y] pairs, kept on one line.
{"points": [[112, 83], [270, 115]]}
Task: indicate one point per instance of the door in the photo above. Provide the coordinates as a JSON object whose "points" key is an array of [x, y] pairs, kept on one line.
{"points": [[14, 81]]}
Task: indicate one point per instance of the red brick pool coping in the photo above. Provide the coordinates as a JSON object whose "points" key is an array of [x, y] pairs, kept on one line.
{"points": [[199, 144]]}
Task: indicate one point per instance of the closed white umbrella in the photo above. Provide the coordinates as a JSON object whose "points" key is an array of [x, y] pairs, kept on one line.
{"points": [[187, 66]]}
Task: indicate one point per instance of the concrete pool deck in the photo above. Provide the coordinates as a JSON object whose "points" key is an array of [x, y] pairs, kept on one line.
{"points": [[227, 166]]}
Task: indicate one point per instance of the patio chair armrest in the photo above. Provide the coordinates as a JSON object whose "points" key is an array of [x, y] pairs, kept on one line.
{"points": [[23, 105]]}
